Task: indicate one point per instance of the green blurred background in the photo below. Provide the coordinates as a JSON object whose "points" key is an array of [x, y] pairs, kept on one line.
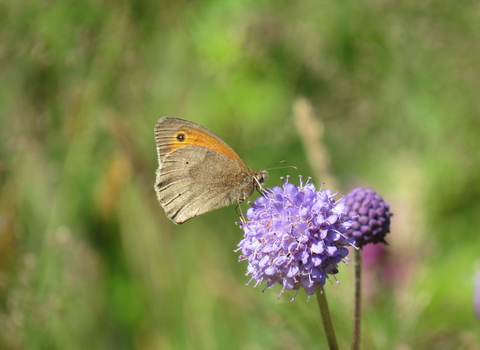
{"points": [[88, 259]]}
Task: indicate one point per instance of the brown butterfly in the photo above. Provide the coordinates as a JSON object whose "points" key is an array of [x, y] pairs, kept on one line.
{"points": [[198, 172]]}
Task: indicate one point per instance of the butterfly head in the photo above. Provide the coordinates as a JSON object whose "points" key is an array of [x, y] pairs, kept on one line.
{"points": [[260, 178]]}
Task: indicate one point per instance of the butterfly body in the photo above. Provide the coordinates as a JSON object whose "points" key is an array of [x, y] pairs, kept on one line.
{"points": [[198, 172]]}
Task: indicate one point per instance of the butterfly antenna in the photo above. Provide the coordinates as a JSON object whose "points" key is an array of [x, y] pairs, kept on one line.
{"points": [[281, 167]]}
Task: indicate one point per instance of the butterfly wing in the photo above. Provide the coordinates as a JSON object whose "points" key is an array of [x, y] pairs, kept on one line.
{"points": [[169, 132], [194, 180]]}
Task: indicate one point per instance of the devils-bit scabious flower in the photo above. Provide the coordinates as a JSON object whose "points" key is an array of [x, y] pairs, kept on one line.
{"points": [[370, 215], [294, 236]]}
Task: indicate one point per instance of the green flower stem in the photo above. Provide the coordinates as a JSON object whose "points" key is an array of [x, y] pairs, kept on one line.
{"points": [[358, 299], [326, 319]]}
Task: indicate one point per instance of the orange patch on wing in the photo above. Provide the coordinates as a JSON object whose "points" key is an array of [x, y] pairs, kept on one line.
{"points": [[200, 138]]}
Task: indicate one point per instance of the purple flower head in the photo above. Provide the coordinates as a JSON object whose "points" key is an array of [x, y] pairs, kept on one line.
{"points": [[294, 236], [370, 215]]}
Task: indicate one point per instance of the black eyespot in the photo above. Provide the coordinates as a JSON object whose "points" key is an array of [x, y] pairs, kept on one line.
{"points": [[187, 162], [181, 137]]}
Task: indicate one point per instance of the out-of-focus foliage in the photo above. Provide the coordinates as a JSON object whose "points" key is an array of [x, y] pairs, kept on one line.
{"points": [[88, 259]]}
